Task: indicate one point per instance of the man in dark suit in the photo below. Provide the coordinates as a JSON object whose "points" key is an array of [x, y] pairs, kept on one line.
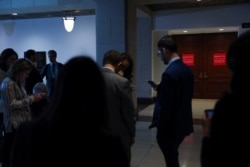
{"points": [[51, 71], [173, 108], [34, 76], [120, 102]]}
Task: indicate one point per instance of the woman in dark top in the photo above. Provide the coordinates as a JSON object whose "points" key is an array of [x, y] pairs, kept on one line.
{"points": [[74, 130], [34, 76]]}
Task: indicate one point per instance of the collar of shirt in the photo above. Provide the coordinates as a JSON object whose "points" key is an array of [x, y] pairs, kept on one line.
{"points": [[173, 59], [109, 68]]}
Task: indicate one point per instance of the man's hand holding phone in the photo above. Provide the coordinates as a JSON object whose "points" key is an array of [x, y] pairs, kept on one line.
{"points": [[152, 84]]}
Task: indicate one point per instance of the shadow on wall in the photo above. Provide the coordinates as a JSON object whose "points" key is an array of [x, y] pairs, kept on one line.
{"points": [[8, 27]]}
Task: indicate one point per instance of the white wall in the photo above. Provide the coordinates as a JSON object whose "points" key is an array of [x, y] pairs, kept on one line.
{"points": [[46, 34]]}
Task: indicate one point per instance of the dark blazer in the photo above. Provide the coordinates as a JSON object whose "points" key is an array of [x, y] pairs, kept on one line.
{"points": [[46, 71], [173, 108], [33, 78], [121, 107]]}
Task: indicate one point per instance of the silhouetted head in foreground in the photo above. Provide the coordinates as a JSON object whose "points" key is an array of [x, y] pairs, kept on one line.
{"points": [[80, 94], [238, 58]]}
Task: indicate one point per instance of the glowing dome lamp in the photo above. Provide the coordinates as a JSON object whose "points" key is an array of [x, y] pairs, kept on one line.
{"points": [[69, 23]]}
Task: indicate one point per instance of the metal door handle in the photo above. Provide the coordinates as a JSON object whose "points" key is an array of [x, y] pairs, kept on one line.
{"points": [[200, 75], [205, 75]]}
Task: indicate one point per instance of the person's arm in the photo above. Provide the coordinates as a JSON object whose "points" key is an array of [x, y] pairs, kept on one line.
{"points": [[12, 93], [205, 144], [166, 100], [206, 127], [43, 71], [120, 73], [128, 109]]}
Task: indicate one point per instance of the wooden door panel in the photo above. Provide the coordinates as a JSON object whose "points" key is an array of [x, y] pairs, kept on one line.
{"points": [[215, 88], [217, 74], [190, 44], [198, 86]]}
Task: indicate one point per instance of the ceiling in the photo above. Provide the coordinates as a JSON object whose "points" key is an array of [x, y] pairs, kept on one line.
{"points": [[47, 14], [159, 5], [87, 7]]}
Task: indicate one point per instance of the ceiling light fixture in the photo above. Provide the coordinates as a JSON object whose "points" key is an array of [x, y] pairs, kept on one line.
{"points": [[69, 23]]}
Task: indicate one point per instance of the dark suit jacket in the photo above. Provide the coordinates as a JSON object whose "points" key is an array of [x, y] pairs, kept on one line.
{"points": [[46, 71], [173, 108], [120, 105], [33, 78]]}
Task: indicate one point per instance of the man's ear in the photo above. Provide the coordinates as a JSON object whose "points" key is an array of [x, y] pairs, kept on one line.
{"points": [[164, 51]]}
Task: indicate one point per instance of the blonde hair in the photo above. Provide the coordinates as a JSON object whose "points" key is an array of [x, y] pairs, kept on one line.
{"points": [[19, 66]]}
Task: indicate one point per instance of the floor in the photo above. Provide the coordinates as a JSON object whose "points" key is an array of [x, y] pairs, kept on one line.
{"points": [[145, 151]]}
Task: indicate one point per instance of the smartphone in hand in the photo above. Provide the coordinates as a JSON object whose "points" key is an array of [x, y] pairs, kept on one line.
{"points": [[152, 84]]}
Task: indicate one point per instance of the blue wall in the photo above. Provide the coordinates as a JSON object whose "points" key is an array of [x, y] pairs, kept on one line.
{"points": [[46, 34]]}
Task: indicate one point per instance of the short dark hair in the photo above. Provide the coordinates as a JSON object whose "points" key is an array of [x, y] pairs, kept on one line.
{"points": [[167, 42], [6, 53], [112, 57], [52, 52], [29, 53]]}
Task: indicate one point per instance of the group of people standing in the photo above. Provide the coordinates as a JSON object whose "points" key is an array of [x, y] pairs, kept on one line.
{"points": [[23, 95], [75, 106], [172, 116], [93, 112]]}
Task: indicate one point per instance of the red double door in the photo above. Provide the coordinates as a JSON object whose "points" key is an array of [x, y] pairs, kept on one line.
{"points": [[206, 55]]}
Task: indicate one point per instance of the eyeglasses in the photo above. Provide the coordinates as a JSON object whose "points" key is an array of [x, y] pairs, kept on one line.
{"points": [[159, 54]]}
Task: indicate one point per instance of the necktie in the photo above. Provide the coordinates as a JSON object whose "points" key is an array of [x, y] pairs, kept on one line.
{"points": [[53, 70]]}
